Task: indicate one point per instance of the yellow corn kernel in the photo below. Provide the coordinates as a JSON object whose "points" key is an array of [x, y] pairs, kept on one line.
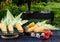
{"points": [[19, 27], [30, 25], [32, 29], [3, 28], [10, 28], [40, 29]]}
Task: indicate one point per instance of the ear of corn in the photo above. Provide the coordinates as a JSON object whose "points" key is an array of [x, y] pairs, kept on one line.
{"points": [[10, 28], [3, 28], [30, 25], [11, 22], [40, 29], [19, 27], [32, 29]]}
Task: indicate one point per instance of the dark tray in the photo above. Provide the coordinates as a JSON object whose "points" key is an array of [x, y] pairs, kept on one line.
{"points": [[25, 38], [15, 33]]}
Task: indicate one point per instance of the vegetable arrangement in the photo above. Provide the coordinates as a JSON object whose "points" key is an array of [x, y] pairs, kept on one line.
{"points": [[10, 22], [40, 29]]}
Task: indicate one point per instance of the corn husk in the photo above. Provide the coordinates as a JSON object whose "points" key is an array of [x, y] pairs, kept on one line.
{"points": [[48, 26], [18, 19]]}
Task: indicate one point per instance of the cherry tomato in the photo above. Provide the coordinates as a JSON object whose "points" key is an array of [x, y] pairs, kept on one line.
{"points": [[45, 37], [51, 34], [48, 32]]}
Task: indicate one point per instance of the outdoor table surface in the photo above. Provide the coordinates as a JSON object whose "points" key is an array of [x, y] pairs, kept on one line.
{"points": [[25, 38]]}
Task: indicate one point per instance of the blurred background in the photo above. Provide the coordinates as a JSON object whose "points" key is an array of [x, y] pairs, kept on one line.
{"points": [[18, 6]]}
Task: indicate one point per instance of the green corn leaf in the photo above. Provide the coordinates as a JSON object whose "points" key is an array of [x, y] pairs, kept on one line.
{"points": [[18, 17], [41, 23], [10, 17], [51, 27], [24, 21], [4, 21], [48, 26]]}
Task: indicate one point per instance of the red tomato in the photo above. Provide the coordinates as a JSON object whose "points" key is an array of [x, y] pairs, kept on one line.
{"points": [[45, 37], [51, 33], [48, 32]]}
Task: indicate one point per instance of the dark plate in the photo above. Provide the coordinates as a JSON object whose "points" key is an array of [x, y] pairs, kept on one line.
{"points": [[15, 33]]}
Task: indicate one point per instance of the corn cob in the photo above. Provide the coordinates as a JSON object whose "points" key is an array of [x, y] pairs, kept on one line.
{"points": [[10, 28], [19, 27], [30, 25], [40, 29], [32, 29], [3, 28]]}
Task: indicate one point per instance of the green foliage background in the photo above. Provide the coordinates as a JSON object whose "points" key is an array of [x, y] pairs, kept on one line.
{"points": [[18, 6]]}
